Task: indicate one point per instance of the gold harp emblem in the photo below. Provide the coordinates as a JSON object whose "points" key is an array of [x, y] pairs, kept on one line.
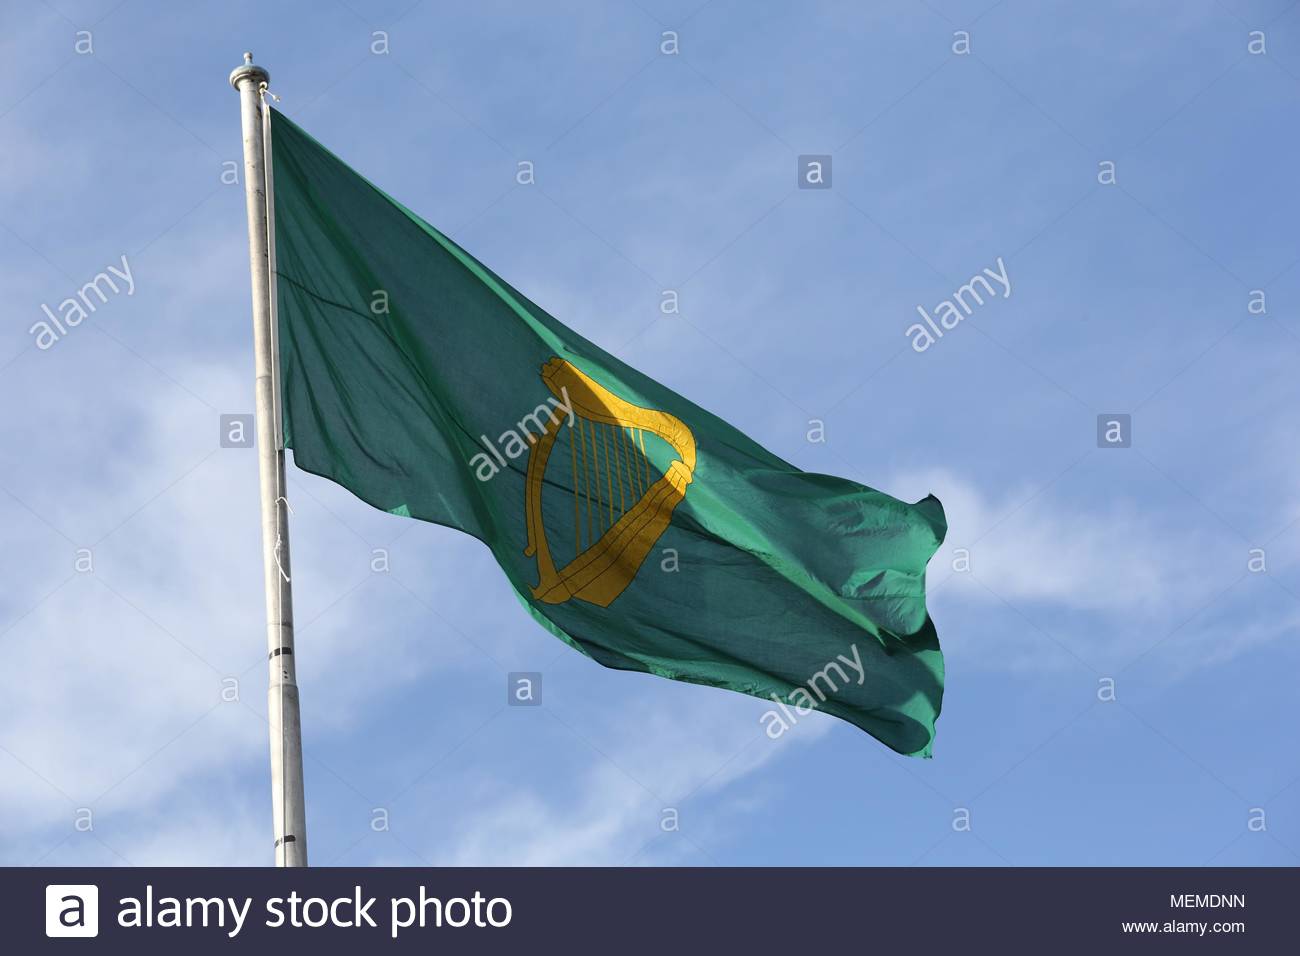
{"points": [[621, 503]]}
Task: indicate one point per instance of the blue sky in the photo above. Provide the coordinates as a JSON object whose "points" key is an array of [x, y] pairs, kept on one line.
{"points": [[654, 172]]}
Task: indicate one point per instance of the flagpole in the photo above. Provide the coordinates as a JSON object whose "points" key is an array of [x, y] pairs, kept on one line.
{"points": [[288, 807]]}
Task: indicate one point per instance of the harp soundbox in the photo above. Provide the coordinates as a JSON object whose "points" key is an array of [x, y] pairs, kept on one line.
{"points": [[604, 481]]}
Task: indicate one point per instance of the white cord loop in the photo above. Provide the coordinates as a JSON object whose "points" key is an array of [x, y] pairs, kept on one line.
{"points": [[280, 567]]}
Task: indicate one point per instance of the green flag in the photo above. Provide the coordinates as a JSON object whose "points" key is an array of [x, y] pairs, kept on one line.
{"points": [[640, 529]]}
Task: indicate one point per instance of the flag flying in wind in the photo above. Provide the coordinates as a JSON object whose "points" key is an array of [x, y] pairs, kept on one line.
{"points": [[640, 529]]}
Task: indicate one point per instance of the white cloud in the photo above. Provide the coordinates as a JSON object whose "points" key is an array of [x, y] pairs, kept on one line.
{"points": [[660, 760], [1108, 580], [1108, 559], [113, 681]]}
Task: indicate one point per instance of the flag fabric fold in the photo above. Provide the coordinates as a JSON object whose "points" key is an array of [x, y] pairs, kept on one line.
{"points": [[639, 528]]}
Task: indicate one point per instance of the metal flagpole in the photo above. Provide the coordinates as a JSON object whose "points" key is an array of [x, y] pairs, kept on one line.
{"points": [[289, 811]]}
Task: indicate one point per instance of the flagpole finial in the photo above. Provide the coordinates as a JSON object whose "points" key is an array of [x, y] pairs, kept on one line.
{"points": [[249, 71]]}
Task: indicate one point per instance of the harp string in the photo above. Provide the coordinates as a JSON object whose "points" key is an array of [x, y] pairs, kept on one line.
{"points": [[595, 476], [609, 475], [635, 459], [577, 510], [618, 467], [643, 464], [632, 467], [645, 459], [611, 472], [618, 470], [586, 477], [627, 464], [640, 460]]}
